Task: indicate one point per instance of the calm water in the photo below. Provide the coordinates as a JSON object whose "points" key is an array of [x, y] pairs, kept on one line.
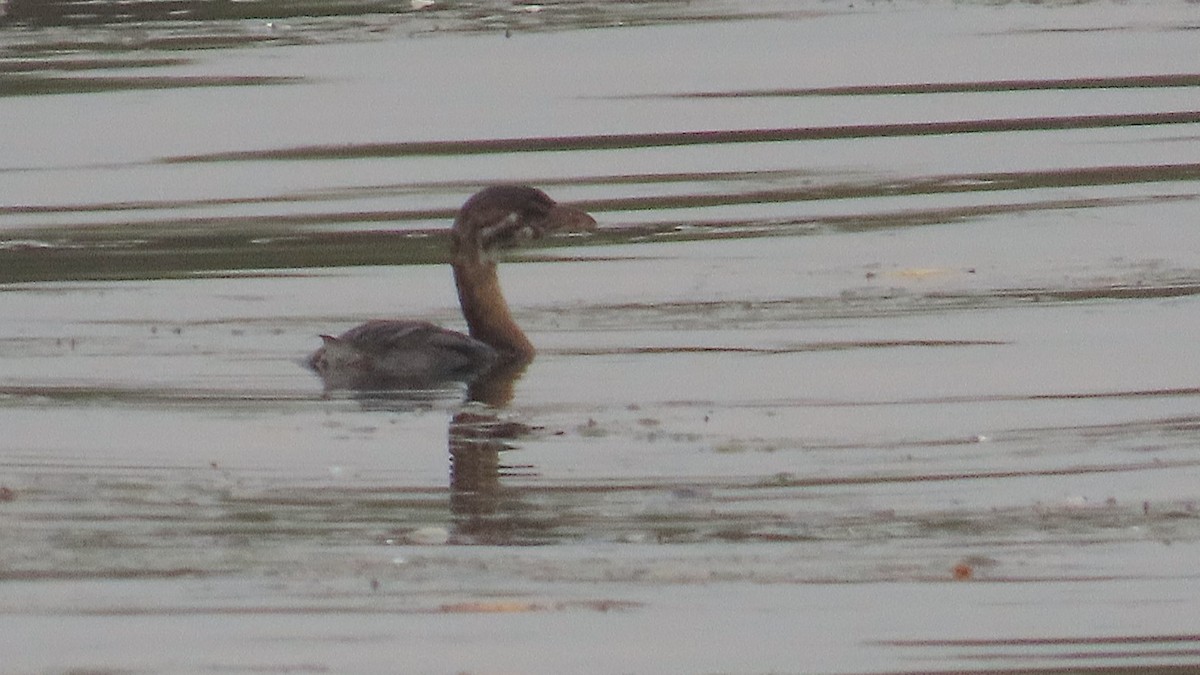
{"points": [[882, 359]]}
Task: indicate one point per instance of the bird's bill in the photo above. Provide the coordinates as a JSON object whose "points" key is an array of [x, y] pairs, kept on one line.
{"points": [[563, 219]]}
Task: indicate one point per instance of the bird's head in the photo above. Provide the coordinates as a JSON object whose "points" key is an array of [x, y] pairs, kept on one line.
{"points": [[505, 216]]}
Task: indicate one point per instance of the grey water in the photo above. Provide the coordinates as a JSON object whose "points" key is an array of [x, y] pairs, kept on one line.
{"points": [[882, 358]]}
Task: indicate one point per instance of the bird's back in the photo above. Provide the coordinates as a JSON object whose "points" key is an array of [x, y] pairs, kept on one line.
{"points": [[393, 354]]}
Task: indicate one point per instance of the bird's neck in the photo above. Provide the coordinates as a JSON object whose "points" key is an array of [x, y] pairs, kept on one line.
{"points": [[484, 308]]}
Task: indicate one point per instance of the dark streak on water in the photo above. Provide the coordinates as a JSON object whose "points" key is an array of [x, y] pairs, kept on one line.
{"points": [[24, 85], [685, 138], [1130, 82], [179, 246], [325, 17]]}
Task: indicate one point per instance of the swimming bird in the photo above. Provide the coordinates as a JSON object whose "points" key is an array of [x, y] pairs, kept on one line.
{"points": [[385, 354]]}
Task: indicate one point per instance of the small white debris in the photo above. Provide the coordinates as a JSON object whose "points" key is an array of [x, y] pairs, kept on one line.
{"points": [[1075, 502], [428, 536], [24, 245]]}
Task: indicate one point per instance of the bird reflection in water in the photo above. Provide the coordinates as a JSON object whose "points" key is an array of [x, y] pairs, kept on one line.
{"points": [[484, 510]]}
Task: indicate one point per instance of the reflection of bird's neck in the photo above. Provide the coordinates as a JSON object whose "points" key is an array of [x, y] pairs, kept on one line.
{"points": [[484, 307]]}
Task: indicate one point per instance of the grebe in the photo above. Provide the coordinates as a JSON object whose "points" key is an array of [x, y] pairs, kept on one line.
{"points": [[397, 354]]}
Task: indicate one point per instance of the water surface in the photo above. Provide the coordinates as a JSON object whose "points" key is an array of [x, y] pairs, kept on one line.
{"points": [[880, 361]]}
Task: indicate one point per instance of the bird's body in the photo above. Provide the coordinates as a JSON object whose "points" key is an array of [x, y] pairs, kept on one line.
{"points": [[404, 354], [398, 354]]}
